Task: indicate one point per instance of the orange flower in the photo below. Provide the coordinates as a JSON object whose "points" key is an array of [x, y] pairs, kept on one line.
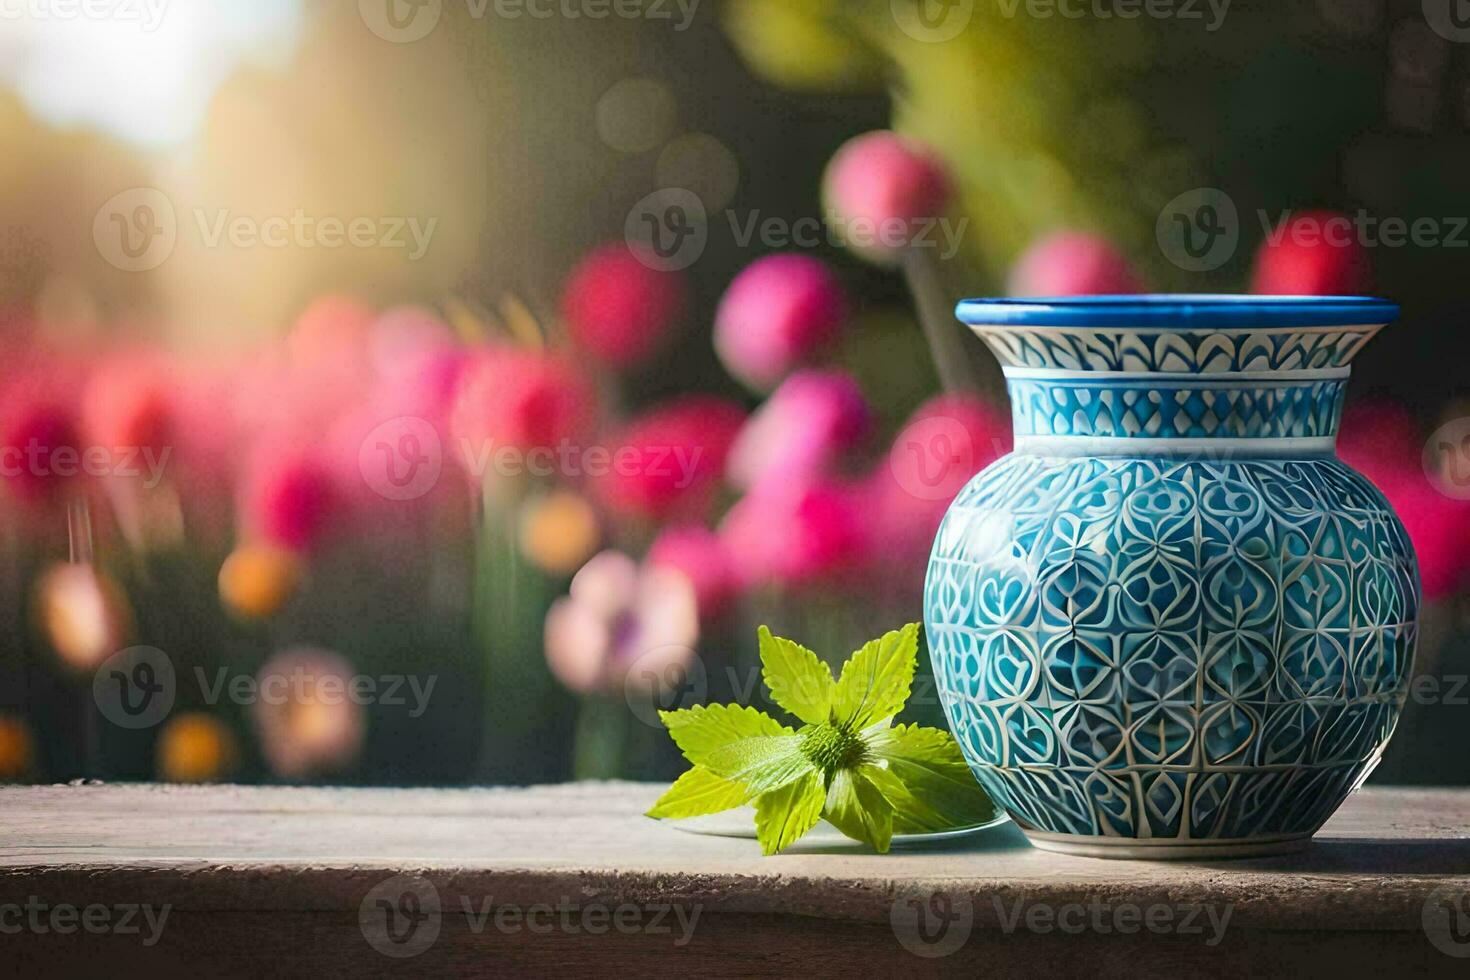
{"points": [[195, 748], [559, 532], [17, 748], [256, 580]]}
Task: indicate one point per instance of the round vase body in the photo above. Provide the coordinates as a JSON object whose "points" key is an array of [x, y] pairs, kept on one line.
{"points": [[1172, 623]]}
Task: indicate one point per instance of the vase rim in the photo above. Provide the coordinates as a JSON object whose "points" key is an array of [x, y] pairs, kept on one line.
{"points": [[1178, 311]]}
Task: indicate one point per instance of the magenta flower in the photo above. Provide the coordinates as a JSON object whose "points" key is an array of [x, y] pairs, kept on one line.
{"points": [[621, 625], [618, 309], [669, 461], [881, 189], [778, 313], [1316, 253], [801, 430], [520, 399], [1072, 263], [818, 535], [305, 715], [700, 555], [40, 443], [289, 499]]}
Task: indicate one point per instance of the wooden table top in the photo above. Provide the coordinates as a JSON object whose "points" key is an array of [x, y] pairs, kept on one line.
{"points": [[329, 879]]}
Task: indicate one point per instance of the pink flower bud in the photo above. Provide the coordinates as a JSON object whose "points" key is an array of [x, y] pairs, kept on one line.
{"points": [[801, 430], [128, 406], [881, 189], [618, 309], [779, 312], [1315, 253], [288, 499], [1072, 263], [669, 461], [520, 399], [801, 536], [945, 443], [39, 442], [700, 555]]}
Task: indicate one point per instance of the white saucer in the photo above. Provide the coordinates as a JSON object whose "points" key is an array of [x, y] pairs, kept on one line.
{"points": [[740, 822]]}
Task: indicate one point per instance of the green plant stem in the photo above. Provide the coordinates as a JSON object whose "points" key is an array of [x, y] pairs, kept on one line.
{"points": [[602, 738]]}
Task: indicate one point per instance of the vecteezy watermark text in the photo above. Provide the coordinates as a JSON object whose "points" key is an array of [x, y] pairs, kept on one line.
{"points": [[406, 21], [136, 688], [137, 229], [126, 462], [402, 916], [147, 14], [38, 916]]}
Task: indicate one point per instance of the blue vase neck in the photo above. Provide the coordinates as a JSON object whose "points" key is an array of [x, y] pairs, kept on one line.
{"points": [[1132, 391]]}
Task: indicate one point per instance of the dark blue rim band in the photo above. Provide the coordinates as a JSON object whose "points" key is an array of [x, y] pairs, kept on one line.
{"points": [[1179, 312]]}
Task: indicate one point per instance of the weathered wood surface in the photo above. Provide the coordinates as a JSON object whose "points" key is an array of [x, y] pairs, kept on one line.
{"points": [[269, 878]]}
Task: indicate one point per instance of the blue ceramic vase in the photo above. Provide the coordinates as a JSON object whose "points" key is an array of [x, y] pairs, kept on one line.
{"points": [[1172, 623]]}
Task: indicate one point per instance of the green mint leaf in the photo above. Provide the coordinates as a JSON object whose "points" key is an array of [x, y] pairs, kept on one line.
{"points": [[857, 808], [783, 815], [761, 763], [700, 730], [696, 793], [799, 681], [926, 780], [875, 682]]}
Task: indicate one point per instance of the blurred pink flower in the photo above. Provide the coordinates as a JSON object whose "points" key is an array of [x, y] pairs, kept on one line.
{"points": [[779, 312], [128, 404], [1072, 263], [700, 555], [798, 536], [521, 399], [668, 462], [403, 338], [1316, 253], [39, 441], [331, 334], [879, 187], [307, 721], [621, 625], [618, 309], [1381, 440], [801, 430], [288, 498], [944, 443]]}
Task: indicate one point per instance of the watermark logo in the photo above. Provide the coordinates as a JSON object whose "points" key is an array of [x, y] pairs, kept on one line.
{"points": [[664, 678], [932, 21], [1446, 920], [667, 230], [1450, 19], [1212, 12], [400, 917], [136, 230], [401, 459], [1446, 459], [932, 924], [1208, 921], [1199, 230], [400, 21], [135, 688]]}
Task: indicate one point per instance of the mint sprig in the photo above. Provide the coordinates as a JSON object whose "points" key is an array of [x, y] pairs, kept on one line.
{"points": [[848, 762]]}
